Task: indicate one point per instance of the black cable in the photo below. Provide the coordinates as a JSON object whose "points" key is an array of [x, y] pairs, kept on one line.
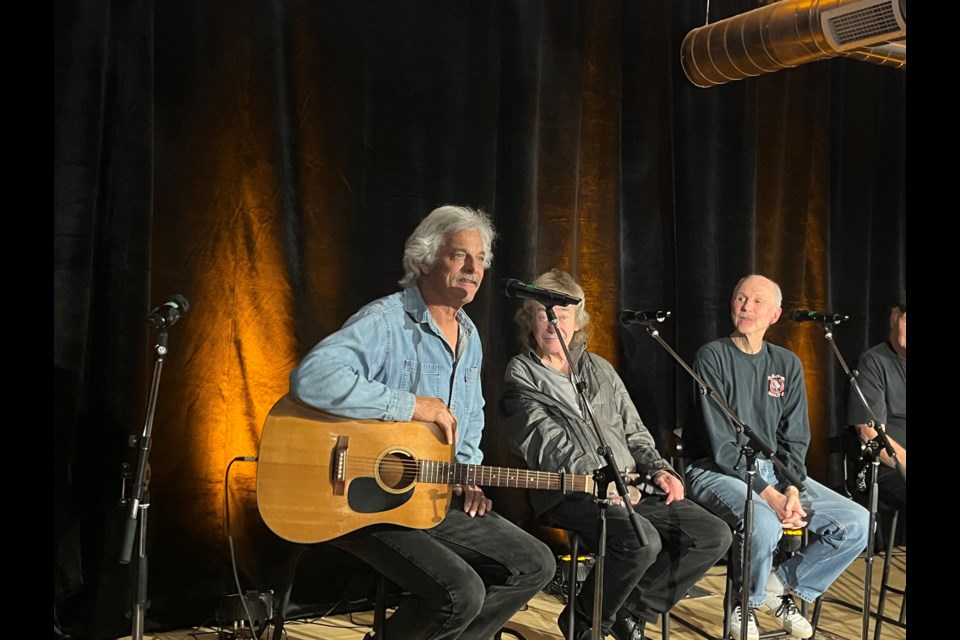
{"points": [[233, 558]]}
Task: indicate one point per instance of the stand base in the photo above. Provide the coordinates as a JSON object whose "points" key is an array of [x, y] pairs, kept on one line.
{"points": [[236, 613], [559, 586]]}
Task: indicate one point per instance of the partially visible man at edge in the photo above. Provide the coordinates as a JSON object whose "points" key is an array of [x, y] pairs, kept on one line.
{"points": [[882, 378]]}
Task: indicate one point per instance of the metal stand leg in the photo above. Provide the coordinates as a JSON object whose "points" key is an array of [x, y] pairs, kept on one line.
{"points": [[380, 612], [572, 572], [140, 604], [885, 588]]}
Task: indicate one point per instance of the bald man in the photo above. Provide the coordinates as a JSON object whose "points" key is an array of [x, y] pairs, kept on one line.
{"points": [[763, 384]]}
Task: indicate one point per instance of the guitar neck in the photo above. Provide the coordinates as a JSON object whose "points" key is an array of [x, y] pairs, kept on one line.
{"points": [[457, 473]]}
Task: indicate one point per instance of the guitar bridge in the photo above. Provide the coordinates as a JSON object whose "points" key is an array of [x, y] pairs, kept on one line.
{"points": [[338, 466]]}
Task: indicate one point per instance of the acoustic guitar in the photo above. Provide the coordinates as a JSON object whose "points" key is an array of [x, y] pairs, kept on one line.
{"points": [[320, 476]]}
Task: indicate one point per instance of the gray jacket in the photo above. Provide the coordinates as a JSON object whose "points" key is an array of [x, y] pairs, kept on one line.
{"points": [[550, 430]]}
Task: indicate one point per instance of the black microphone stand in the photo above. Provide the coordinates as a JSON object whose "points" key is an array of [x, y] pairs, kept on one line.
{"points": [[749, 451], [602, 478], [871, 452], [139, 501]]}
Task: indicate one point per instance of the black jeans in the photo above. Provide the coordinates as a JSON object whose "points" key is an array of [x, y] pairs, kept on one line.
{"points": [[892, 493], [467, 576], [892, 488], [683, 541]]}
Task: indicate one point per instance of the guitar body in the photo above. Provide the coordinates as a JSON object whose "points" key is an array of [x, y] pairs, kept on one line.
{"points": [[320, 476]]}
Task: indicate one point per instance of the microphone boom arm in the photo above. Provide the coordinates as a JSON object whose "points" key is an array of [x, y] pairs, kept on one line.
{"points": [[741, 427], [602, 477], [881, 441], [604, 449]]}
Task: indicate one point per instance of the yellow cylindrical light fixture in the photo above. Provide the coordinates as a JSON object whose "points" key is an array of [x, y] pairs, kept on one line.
{"points": [[789, 33]]}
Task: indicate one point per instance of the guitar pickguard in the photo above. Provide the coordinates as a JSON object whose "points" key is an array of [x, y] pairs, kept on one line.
{"points": [[395, 477], [367, 496]]}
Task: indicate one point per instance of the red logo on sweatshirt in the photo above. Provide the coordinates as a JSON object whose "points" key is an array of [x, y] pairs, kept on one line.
{"points": [[777, 386]]}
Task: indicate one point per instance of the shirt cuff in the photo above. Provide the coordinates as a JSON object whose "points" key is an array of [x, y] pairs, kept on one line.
{"points": [[401, 406]]}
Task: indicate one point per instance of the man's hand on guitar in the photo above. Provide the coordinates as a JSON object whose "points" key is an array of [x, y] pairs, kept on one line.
{"points": [[474, 502], [430, 409]]}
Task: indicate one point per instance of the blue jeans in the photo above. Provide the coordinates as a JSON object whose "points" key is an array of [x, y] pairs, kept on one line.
{"points": [[466, 576], [838, 529]]}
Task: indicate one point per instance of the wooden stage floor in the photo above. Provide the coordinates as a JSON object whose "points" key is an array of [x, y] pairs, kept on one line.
{"points": [[702, 608]]}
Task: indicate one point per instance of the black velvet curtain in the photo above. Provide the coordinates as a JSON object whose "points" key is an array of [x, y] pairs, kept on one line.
{"points": [[267, 159]]}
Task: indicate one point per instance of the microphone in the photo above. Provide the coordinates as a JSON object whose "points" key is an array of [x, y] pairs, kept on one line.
{"points": [[513, 288], [628, 317], [167, 314], [805, 315]]}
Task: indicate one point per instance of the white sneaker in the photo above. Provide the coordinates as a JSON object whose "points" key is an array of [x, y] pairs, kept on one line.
{"points": [[753, 632], [786, 611], [774, 586]]}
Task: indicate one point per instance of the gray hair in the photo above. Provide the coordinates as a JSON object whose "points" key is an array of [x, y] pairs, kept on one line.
{"points": [[526, 315], [433, 231]]}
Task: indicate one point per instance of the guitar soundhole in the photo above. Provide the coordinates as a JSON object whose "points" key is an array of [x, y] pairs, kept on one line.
{"points": [[396, 471]]}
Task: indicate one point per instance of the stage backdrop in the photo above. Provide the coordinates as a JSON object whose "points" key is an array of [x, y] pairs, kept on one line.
{"points": [[266, 161]]}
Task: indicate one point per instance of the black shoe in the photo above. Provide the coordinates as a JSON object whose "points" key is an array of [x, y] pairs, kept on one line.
{"points": [[628, 628], [582, 630]]}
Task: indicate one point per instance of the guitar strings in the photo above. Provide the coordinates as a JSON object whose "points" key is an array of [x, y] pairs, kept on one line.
{"points": [[441, 472]]}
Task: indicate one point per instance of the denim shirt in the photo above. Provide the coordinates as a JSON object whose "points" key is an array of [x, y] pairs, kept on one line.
{"points": [[387, 353]]}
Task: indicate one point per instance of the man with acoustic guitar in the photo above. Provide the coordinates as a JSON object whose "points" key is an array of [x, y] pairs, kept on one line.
{"points": [[415, 355]]}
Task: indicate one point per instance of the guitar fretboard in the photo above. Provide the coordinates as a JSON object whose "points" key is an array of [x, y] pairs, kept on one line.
{"points": [[457, 473]]}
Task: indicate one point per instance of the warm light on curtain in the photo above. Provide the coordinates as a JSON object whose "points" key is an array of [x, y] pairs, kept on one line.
{"points": [[292, 147]]}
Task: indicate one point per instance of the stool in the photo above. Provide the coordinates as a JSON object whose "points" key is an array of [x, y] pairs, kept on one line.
{"points": [[380, 606], [850, 448], [678, 460], [728, 606], [573, 538], [573, 580], [567, 581], [885, 590]]}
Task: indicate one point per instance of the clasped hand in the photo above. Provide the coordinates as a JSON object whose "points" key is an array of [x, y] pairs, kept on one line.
{"points": [[787, 506]]}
